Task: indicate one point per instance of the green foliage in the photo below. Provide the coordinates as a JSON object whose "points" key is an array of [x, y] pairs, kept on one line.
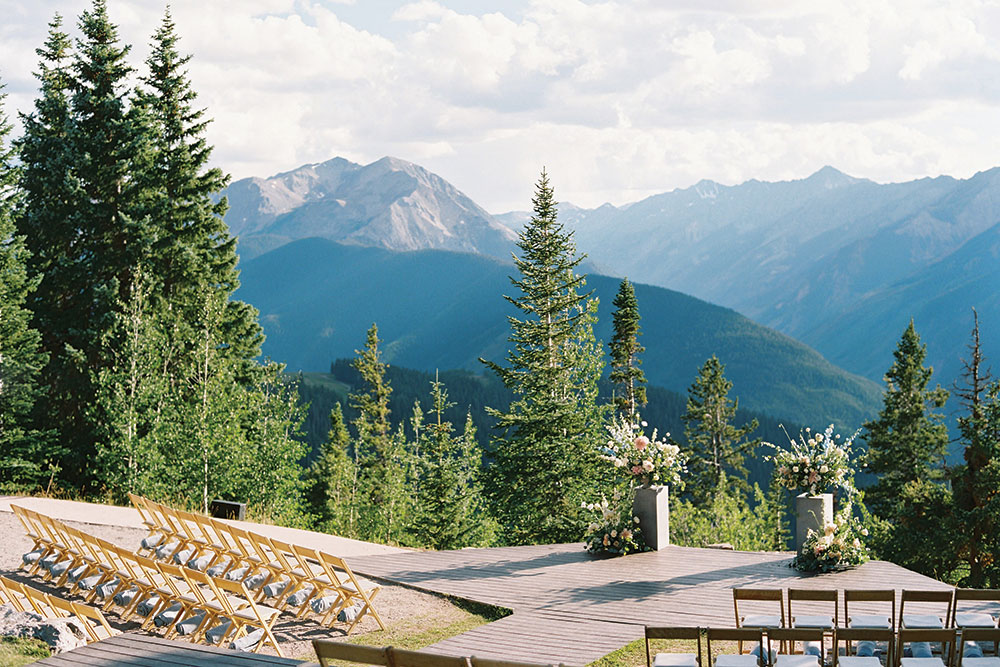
{"points": [[716, 449], [727, 518], [626, 374], [331, 481], [545, 446], [449, 511], [22, 448]]}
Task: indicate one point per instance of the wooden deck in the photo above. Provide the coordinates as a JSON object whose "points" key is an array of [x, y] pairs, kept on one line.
{"points": [[571, 607], [137, 650]]}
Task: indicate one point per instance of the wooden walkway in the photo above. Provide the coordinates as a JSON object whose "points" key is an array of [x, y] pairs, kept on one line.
{"points": [[136, 650], [571, 607]]}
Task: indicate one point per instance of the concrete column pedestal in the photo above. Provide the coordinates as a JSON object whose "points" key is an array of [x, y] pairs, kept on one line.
{"points": [[811, 513], [649, 503]]}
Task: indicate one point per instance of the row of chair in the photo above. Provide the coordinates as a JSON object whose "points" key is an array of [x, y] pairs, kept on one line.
{"points": [[176, 599], [388, 656], [806, 647], [299, 579], [27, 598], [946, 615]]}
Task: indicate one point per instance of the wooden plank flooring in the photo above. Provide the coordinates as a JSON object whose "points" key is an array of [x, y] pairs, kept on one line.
{"points": [[137, 650], [573, 608]]}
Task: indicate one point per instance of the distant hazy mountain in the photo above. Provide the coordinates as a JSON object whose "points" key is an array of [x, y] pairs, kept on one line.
{"points": [[390, 203], [809, 257], [438, 309]]}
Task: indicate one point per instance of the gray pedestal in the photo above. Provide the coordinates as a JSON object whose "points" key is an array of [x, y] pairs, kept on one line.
{"points": [[811, 513], [649, 503]]}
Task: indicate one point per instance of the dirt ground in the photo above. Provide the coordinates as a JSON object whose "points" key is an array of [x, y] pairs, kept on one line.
{"points": [[399, 607]]}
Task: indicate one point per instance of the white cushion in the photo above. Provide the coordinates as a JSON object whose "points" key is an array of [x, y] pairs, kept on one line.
{"points": [[813, 621], [675, 660], [869, 621], [797, 660], [761, 621], [730, 660], [922, 621], [981, 662], [921, 662], [856, 661], [974, 620]]}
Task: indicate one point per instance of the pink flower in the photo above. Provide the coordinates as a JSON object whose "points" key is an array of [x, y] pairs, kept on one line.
{"points": [[641, 442], [813, 476]]}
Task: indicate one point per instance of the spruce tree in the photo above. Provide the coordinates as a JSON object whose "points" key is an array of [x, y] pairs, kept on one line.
{"points": [[626, 373], [975, 483], [22, 448], [545, 450], [330, 480], [717, 449], [906, 442]]}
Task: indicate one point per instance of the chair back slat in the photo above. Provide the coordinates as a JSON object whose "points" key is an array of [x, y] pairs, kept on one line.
{"points": [[327, 650]]}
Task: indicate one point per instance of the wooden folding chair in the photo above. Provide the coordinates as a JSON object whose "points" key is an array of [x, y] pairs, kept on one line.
{"points": [[202, 587], [789, 637], [14, 594], [327, 650], [848, 636], [974, 635], [673, 659], [813, 620], [39, 601], [41, 544], [930, 621], [406, 658], [946, 637], [973, 619], [290, 571], [155, 530], [251, 614], [491, 662], [741, 636], [175, 593], [351, 587], [310, 562], [91, 620], [759, 620], [869, 620]]}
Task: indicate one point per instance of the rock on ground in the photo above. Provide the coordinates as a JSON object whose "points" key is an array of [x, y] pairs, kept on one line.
{"points": [[61, 634]]}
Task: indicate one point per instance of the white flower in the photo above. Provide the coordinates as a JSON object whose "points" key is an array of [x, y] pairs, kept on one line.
{"points": [[864, 531], [593, 527], [614, 533], [644, 424], [635, 519], [647, 465]]}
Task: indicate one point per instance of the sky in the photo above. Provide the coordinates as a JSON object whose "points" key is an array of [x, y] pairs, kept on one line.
{"points": [[617, 99]]}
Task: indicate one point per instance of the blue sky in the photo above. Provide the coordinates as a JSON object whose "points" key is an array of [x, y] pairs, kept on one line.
{"points": [[617, 99]]}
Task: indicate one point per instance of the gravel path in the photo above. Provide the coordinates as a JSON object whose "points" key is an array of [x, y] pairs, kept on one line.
{"points": [[399, 607]]}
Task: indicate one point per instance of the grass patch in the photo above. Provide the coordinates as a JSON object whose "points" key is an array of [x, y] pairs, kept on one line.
{"points": [[15, 651]]}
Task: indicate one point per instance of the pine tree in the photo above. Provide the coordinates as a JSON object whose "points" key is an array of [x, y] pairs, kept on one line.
{"points": [[975, 483], [330, 488], [906, 442], [379, 451], [22, 448], [716, 448], [448, 490], [625, 350], [545, 452]]}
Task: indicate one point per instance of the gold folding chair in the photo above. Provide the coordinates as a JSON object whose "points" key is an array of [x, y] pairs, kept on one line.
{"points": [[39, 601], [406, 658], [310, 561], [848, 636], [14, 594], [946, 637], [177, 592], [91, 620], [41, 544], [741, 636], [354, 592], [928, 621], [673, 659], [250, 614], [327, 650]]}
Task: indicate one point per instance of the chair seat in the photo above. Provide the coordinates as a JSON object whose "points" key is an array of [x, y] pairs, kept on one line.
{"points": [[729, 660], [761, 621], [676, 660], [265, 612], [806, 621], [974, 620], [921, 662], [981, 662], [797, 660], [922, 621], [869, 621], [859, 661]]}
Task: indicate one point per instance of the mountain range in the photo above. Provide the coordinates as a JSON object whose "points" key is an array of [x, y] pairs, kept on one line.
{"points": [[444, 310]]}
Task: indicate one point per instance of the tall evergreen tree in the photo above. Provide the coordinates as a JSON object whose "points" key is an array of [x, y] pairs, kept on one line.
{"points": [[906, 442], [626, 373], [330, 480], [22, 448], [545, 450], [976, 483], [717, 448]]}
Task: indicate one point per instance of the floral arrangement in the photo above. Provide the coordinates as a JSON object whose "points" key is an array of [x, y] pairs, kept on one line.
{"points": [[614, 531], [838, 547], [650, 460], [815, 462]]}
